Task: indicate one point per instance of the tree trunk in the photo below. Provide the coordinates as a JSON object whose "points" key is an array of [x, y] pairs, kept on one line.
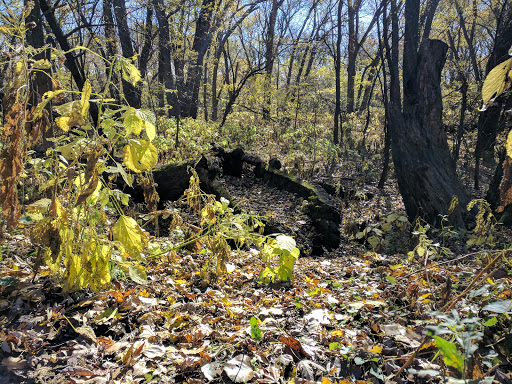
{"points": [[146, 48], [202, 40], [131, 92], [269, 57], [215, 95], [426, 175], [490, 121], [337, 130], [71, 61], [353, 10], [111, 50], [41, 82], [164, 60]]}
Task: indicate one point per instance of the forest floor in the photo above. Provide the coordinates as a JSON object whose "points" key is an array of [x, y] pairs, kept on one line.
{"points": [[359, 314]]}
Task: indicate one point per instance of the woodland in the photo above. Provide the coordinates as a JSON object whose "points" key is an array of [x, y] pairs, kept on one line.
{"points": [[264, 191]]}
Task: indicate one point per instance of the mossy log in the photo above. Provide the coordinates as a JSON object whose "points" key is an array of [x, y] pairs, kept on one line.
{"points": [[325, 217], [171, 180]]}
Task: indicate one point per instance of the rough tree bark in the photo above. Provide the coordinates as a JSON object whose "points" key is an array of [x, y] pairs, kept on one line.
{"points": [[491, 121], [426, 176], [165, 76], [111, 50], [41, 82], [202, 40]]}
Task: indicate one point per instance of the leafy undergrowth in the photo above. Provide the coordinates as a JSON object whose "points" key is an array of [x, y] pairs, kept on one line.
{"points": [[381, 308], [349, 318]]}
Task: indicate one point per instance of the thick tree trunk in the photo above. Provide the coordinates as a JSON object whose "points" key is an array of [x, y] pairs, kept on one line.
{"points": [[41, 82], [426, 175], [202, 40], [490, 121], [164, 60]]}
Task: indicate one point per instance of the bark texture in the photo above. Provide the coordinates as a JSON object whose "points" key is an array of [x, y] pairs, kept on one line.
{"points": [[426, 175]]}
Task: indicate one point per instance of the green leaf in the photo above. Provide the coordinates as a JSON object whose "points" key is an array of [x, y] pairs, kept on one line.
{"points": [[286, 242], [256, 332], [497, 81], [285, 269], [491, 321], [140, 155], [334, 345], [267, 275], [451, 355], [391, 279], [137, 274], [387, 226], [374, 241], [128, 232]]}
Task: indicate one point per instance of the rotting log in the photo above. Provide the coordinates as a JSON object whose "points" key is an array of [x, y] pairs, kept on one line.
{"points": [[325, 217], [320, 209], [171, 180]]}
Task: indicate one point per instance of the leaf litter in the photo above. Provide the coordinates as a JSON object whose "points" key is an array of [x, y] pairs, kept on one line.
{"points": [[354, 316]]}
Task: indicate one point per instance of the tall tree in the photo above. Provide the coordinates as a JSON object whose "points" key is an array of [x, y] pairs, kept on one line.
{"points": [[355, 44], [165, 75], [71, 62], [426, 176], [337, 132], [131, 92], [111, 48], [201, 43], [270, 55], [40, 83], [492, 120]]}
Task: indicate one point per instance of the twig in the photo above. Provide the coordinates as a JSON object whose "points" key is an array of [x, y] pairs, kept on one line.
{"points": [[448, 307], [452, 303]]}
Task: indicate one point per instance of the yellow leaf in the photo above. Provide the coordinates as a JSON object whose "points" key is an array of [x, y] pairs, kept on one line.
{"points": [[74, 113], [150, 130], [128, 232], [70, 119], [338, 332], [42, 64], [497, 81], [129, 71], [140, 155], [132, 122], [377, 349], [84, 101]]}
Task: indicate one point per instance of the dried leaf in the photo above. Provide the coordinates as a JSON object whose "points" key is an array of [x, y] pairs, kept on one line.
{"points": [[239, 369]]}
